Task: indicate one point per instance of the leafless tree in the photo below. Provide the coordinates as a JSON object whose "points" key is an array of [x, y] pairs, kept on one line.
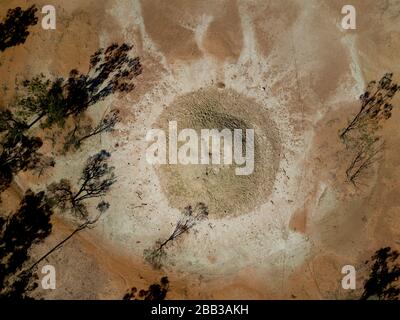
{"points": [[87, 224], [190, 217], [367, 153], [97, 178], [106, 124], [43, 163], [26, 275]]}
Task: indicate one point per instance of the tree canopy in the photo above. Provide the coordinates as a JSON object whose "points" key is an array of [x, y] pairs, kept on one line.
{"points": [[111, 70]]}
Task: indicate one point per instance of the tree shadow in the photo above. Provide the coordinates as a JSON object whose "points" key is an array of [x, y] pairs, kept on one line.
{"points": [[112, 70], [14, 29], [30, 224], [155, 292], [382, 283]]}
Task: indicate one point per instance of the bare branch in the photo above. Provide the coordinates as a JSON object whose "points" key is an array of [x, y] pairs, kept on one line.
{"points": [[106, 124], [188, 220], [97, 178]]}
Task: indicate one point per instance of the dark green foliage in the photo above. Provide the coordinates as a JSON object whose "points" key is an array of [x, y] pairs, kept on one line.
{"points": [[29, 225], [42, 97], [50, 102], [155, 292], [14, 29], [112, 70], [361, 134], [17, 155], [385, 272], [18, 151], [375, 106], [11, 128]]}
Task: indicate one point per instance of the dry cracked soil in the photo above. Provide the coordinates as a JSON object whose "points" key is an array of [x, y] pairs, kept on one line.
{"points": [[286, 69]]}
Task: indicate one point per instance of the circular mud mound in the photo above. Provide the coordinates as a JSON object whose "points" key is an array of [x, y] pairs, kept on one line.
{"points": [[217, 185]]}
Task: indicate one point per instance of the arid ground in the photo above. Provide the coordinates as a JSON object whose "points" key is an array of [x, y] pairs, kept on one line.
{"points": [[286, 69]]}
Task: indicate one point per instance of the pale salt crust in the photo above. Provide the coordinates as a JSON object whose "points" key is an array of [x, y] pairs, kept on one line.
{"points": [[258, 238], [261, 238]]}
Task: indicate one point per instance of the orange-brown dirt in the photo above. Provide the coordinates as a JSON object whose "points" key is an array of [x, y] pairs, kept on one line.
{"points": [[291, 57]]}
